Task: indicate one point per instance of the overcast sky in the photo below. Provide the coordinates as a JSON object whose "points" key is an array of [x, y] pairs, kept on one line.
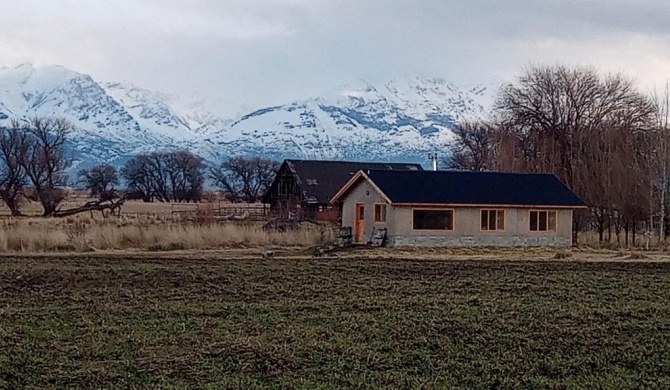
{"points": [[252, 53]]}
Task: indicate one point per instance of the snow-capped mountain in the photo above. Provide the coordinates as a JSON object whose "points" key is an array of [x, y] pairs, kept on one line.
{"points": [[170, 115], [104, 129], [401, 120], [112, 121]]}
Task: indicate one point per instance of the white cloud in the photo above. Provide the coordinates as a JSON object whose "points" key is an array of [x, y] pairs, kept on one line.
{"points": [[259, 52]]}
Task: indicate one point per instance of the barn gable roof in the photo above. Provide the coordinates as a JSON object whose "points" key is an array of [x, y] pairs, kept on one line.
{"points": [[468, 188], [319, 180]]}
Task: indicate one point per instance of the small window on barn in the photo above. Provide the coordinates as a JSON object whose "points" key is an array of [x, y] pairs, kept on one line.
{"points": [[542, 221], [493, 219], [433, 219], [282, 188], [380, 213]]}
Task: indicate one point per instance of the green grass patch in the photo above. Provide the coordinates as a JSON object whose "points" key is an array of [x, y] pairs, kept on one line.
{"points": [[141, 323]]}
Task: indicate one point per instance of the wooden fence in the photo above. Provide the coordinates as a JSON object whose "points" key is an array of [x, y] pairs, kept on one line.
{"points": [[222, 211]]}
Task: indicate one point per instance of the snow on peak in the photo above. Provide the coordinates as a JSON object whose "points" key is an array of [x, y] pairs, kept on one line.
{"points": [[166, 114], [399, 120], [31, 78], [111, 121]]}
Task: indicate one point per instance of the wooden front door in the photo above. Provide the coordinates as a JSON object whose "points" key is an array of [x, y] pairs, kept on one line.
{"points": [[360, 222]]}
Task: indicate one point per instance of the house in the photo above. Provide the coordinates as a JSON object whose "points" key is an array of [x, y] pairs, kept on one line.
{"points": [[446, 208], [303, 188]]}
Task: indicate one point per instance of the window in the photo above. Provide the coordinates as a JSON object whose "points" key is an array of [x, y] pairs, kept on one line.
{"points": [[361, 211], [285, 186], [493, 219], [380, 213], [282, 188], [542, 221], [433, 219]]}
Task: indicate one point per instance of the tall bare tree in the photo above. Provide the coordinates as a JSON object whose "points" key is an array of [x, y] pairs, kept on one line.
{"points": [[165, 176], [136, 173], [186, 177], [14, 144], [46, 160], [157, 170], [100, 180], [474, 146], [145, 174], [554, 115], [659, 152], [244, 179]]}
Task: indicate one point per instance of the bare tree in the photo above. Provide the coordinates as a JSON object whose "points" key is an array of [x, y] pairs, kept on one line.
{"points": [[46, 161], [264, 173], [473, 148], [659, 150], [14, 145], [138, 172], [244, 179], [553, 117], [100, 180], [165, 176], [568, 105], [615, 180], [186, 177]]}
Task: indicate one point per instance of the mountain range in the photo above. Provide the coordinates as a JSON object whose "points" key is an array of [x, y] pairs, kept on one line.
{"points": [[402, 120]]}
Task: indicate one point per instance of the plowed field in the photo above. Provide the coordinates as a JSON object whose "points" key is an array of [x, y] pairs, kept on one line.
{"points": [[207, 323]]}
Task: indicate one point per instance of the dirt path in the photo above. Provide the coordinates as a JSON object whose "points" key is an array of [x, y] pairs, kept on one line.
{"points": [[363, 253]]}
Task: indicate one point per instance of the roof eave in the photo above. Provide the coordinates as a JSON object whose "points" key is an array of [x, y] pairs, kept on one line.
{"points": [[518, 206], [349, 184]]}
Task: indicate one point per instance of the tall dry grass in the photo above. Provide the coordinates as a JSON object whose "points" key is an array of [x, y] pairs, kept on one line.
{"points": [[589, 239], [84, 234], [130, 208]]}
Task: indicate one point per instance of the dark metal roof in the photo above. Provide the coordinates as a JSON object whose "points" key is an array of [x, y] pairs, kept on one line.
{"points": [[321, 179], [477, 188]]}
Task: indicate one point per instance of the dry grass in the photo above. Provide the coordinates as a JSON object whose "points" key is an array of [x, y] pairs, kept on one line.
{"points": [[84, 235], [562, 254], [130, 208], [590, 239], [637, 256], [150, 227]]}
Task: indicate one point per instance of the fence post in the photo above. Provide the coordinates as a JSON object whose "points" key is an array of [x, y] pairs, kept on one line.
{"points": [[647, 238]]}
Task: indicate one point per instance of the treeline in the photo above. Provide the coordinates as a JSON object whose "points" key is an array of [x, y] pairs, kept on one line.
{"points": [[34, 164], [598, 133], [179, 176]]}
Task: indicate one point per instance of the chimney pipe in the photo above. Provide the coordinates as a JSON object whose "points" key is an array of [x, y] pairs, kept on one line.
{"points": [[433, 159]]}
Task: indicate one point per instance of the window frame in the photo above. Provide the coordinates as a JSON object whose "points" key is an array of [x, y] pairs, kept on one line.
{"points": [[282, 188], [497, 219], [538, 221], [380, 206], [453, 219], [359, 211]]}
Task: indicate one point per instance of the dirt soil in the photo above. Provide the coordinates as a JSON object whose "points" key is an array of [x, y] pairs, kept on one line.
{"points": [[233, 320]]}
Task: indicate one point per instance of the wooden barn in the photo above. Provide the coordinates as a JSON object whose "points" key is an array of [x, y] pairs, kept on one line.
{"points": [[302, 188]]}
